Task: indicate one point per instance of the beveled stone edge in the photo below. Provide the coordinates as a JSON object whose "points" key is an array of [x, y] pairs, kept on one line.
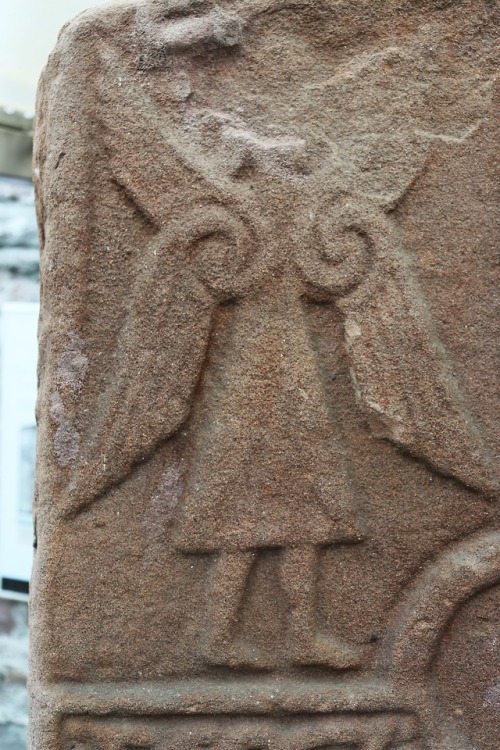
{"points": [[235, 696]]}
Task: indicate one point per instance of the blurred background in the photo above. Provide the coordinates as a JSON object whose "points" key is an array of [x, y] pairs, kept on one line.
{"points": [[28, 32]]}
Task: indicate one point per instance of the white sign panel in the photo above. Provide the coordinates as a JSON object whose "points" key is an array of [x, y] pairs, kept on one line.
{"points": [[18, 384]]}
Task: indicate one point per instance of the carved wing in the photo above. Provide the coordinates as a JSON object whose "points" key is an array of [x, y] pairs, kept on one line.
{"points": [[401, 373], [143, 384]]}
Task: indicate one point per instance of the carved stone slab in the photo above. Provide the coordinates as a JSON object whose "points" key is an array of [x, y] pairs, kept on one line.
{"points": [[266, 503]]}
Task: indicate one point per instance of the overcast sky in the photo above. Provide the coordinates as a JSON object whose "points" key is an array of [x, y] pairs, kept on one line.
{"points": [[28, 33]]}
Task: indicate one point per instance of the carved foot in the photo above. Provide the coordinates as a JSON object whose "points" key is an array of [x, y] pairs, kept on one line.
{"points": [[240, 657], [328, 652]]}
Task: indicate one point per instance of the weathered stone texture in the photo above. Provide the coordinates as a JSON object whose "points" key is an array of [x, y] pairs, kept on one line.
{"points": [[266, 491]]}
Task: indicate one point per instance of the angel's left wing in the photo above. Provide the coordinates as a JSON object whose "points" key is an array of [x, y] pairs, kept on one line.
{"points": [[401, 371]]}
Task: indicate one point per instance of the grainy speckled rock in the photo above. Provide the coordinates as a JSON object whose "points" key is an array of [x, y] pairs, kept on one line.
{"points": [[267, 504]]}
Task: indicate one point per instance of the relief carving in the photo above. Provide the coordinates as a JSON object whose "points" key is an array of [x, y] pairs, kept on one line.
{"points": [[338, 246], [419, 623], [384, 732], [267, 469], [230, 236]]}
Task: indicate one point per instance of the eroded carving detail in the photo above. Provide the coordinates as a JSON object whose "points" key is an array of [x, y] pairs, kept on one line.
{"points": [[364, 732], [340, 241], [342, 249], [242, 208], [182, 32], [431, 602]]}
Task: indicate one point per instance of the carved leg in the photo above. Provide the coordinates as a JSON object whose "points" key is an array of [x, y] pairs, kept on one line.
{"points": [[229, 578], [299, 572]]}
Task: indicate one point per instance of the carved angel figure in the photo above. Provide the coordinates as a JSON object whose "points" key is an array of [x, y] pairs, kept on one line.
{"points": [[268, 468]]}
